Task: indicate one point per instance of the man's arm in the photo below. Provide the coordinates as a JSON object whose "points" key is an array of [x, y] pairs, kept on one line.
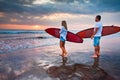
{"points": [[96, 29]]}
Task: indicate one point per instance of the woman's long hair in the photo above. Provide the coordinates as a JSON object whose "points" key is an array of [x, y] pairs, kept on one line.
{"points": [[64, 24]]}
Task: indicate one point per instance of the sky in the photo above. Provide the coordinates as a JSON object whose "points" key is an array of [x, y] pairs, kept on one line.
{"points": [[42, 14]]}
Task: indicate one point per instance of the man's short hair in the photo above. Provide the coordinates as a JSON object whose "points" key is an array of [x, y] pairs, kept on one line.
{"points": [[99, 17]]}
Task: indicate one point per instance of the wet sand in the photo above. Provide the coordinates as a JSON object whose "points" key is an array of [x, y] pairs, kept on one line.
{"points": [[46, 64], [79, 71]]}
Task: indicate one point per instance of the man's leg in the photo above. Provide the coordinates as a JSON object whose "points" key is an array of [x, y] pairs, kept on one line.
{"points": [[98, 51], [95, 51], [96, 46]]}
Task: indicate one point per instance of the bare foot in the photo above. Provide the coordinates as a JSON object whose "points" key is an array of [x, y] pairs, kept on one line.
{"points": [[98, 54], [94, 56], [65, 54], [61, 55]]}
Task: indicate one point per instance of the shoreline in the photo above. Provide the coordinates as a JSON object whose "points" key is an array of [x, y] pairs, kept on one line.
{"points": [[28, 63]]}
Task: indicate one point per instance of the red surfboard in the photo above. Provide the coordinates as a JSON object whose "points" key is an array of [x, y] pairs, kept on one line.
{"points": [[107, 30], [70, 36]]}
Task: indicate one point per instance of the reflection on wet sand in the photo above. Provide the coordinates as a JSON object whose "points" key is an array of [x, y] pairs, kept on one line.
{"points": [[79, 71], [21, 67], [24, 65], [96, 62], [14, 65]]}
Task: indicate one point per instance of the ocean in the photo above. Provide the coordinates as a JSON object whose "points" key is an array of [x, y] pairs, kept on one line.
{"points": [[19, 49], [12, 40]]}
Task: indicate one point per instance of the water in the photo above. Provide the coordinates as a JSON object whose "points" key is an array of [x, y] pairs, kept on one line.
{"points": [[21, 50], [12, 40]]}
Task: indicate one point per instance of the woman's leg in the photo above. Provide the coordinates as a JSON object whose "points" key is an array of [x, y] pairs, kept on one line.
{"points": [[65, 52], [62, 46]]}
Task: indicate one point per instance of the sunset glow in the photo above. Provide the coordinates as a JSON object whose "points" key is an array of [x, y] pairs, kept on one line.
{"points": [[36, 27], [22, 27]]}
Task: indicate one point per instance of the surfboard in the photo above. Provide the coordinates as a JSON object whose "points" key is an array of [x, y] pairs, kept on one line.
{"points": [[107, 30], [70, 36]]}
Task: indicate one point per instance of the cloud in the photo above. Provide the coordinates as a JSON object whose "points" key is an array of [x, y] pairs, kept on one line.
{"points": [[64, 1], [51, 12], [59, 6], [11, 6]]}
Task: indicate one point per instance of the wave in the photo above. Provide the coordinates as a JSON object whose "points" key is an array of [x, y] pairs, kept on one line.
{"points": [[22, 31], [16, 37], [10, 42]]}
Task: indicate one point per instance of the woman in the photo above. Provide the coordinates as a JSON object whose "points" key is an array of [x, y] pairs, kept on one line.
{"points": [[63, 34]]}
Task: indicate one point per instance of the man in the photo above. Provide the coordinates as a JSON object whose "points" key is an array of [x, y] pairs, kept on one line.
{"points": [[97, 35]]}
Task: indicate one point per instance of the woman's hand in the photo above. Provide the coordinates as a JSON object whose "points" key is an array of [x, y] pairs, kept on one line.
{"points": [[92, 36]]}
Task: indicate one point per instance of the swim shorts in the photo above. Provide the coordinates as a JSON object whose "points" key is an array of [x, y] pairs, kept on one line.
{"points": [[97, 41], [62, 39]]}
